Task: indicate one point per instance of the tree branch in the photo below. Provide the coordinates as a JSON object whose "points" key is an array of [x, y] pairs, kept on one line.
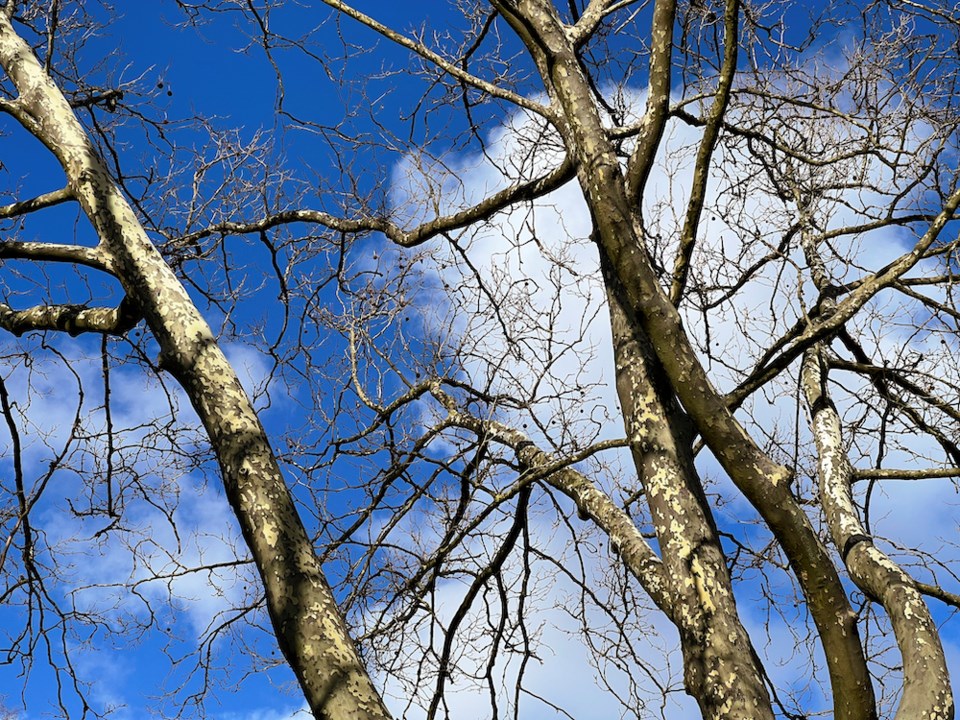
{"points": [[926, 691], [591, 18], [830, 323], [899, 474], [939, 593], [590, 500], [73, 319], [518, 192], [41, 201], [52, 252], [701, 171], [446, 66], [658, 100]]}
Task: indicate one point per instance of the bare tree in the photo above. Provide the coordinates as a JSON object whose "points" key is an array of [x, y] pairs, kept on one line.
{"points": [[596, 353]]}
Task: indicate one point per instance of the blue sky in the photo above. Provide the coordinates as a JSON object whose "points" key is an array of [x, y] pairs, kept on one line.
{"points": [[213, 70]]}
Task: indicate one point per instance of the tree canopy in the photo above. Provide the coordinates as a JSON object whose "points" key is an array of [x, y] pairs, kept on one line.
{"points": [[510, 358]]}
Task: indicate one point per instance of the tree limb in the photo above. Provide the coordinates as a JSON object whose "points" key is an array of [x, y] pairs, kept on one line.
{"points": [[701, 170], [926, 691], [72, 319], [590, 500], [52, 252], [501, 200], [41, 201]]}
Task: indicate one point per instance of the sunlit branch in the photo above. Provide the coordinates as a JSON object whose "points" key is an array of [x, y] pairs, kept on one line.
{"points": [[926, 691], [658, 99], [15, 109], [901, 474], [442, 64], [52, 252], [592, 16], [711, 133], [41, 201], [73, 319]]}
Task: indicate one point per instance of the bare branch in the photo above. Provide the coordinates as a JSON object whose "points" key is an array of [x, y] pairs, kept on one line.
{"points": [[593, 16], [860, 474], [939, 593], [41, 201], [926, 689], [701, 170], [827, 325], [591, 501], [658, 100], [418, 235], [446, 66], [51, 252]]}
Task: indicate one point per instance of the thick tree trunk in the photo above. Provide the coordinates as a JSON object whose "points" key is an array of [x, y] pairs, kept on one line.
{"points": [[764, 482], [309, 627], [721, 670]]}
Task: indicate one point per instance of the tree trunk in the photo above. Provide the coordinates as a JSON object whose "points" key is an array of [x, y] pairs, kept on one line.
{"points": [[309, 627], [721, 670], [764, 482]]}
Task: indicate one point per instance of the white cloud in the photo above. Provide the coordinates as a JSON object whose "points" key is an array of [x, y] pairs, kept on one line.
{"points": [[532, 287], [162, 576]]}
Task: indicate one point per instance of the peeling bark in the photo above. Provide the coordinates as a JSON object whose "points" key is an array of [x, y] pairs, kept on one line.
{"points": [[73, 319], [309, 627]]}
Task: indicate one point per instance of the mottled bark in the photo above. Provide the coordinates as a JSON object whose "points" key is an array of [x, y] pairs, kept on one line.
{"points": [[926, 683], [309, 627], [73, 319], [764, 482], [721, 670]]}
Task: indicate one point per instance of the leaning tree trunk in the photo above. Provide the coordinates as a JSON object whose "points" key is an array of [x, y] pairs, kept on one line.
{"points": [[620, 237], [309, 626]]}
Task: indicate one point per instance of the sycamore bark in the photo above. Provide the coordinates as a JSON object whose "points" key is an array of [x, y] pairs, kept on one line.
{"points": [[620, 239]]}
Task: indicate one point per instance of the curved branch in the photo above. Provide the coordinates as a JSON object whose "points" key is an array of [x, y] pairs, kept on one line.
{"points": [[830, 323], [72, 319], [41, 201], [926, 684], [701, 171], [590, 500], [418, 235], [658, 100], [591, 18], [53, 252]]}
